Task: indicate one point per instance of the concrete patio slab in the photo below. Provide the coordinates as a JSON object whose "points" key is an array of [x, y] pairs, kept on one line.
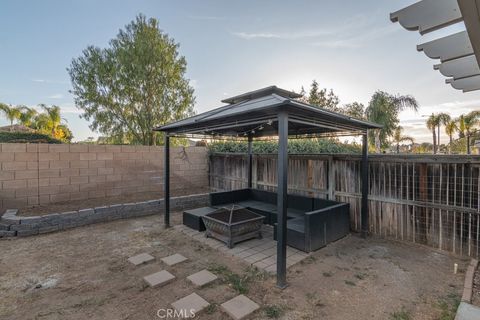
{"points": [[159, 278], [174, 259], [202, 278], [261, 253], [466, 311], [190, 305], [239, 307], [141, 259]]}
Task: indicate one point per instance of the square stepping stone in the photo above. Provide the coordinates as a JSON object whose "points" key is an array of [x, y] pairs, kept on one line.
{"points": [[190, 305], [202, 278], [159, 278], [174, 259], [141, 258], [239, 307]]}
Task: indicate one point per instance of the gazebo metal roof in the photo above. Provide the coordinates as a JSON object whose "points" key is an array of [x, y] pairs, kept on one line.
{"points": [[255, 114], [268, 112]]}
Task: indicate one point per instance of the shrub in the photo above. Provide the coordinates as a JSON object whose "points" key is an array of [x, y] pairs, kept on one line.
{"points": [[24, 137], [303, 146]]}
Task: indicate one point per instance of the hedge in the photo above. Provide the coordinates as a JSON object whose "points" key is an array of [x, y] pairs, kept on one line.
{"points": [[310, 146], [26, 137]]}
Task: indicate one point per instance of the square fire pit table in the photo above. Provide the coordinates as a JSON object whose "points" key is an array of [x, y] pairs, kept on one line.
{"points": [[233, 225]]}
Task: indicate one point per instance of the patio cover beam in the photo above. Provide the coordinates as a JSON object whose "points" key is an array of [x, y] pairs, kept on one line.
{"points": [[459, 53], [282, 190], [250, 161], [364, 212], [166, 177]]}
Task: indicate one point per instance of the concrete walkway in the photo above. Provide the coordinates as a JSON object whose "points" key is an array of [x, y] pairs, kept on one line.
{"points": [[261, 253], [467, 311]]}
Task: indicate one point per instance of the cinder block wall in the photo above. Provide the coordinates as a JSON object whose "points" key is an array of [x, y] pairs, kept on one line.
{"points": [[34, 174]]}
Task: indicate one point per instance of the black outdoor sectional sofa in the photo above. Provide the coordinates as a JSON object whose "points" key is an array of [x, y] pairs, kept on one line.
{"points": [[312, 223]]}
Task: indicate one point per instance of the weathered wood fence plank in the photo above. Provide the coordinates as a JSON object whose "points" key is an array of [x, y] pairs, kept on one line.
{"points": [[433, 200]]}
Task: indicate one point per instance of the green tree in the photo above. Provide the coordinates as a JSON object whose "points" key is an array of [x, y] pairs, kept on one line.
{"points": [[450, 129], [471, 122], [321, 97], [27, 116], [11, 113], [384, 109], [355, 110], [443, 119], [50, 122], [432, 123], [135, 84], [398, 138]]}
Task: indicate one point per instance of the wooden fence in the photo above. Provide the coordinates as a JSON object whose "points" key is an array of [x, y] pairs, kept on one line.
{"points": [[432, 200]]}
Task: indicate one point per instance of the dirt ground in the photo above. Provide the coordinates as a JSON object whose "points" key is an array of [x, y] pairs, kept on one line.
{"points": [[476, 288], [83, 273], [74, 205]]}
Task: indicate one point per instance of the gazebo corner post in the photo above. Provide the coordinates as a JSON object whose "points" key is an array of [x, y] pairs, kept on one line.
{"points": [[250, 161], [282, 189], [166, 176], [364, 201]]}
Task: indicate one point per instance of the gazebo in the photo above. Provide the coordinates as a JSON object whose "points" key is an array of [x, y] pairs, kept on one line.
{"points": [[268, 112]]}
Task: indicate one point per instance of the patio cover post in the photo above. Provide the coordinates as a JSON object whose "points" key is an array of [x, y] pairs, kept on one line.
{"points": [[250, 161], [166, 173], [282, 176], [364, 212]]}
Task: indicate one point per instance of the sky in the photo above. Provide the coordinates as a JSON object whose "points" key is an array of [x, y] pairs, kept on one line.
{"points": [[232, 47]]}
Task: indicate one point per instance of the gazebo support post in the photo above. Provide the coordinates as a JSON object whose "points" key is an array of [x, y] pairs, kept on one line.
{"points": [[166, 176], [282, 176], [250, 160], [364, 212]]}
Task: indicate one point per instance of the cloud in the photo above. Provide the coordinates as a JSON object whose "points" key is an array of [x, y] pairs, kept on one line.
{"points": [[455, 106], [55, 96], [283, 35], [352, 23], [65, 108], [211, 18], [49, 81], [352, 33], [347, 41]]}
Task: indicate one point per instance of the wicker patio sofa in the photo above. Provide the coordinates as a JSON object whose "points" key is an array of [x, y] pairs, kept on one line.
{"points": [[312, 223]]}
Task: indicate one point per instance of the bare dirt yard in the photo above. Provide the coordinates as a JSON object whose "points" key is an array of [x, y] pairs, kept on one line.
{"points": [[476, 288], [83, 273]]}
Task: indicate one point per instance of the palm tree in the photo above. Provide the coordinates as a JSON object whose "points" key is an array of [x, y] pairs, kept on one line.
{"points": [[461, 126], [49, 120], [384, 109], [11, 113], [27, 116], [398, 137], [450, 128], [432, 123], [443, 119], [471, 120]]}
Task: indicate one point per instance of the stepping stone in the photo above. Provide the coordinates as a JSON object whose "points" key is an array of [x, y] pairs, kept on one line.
{"points": [[174, 259], [141, 258], [239, 307], [190, 305], [202, 278], [159, 278]]}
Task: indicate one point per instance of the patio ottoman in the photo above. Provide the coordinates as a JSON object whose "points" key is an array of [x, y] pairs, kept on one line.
{"points": [[193, 218]]}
